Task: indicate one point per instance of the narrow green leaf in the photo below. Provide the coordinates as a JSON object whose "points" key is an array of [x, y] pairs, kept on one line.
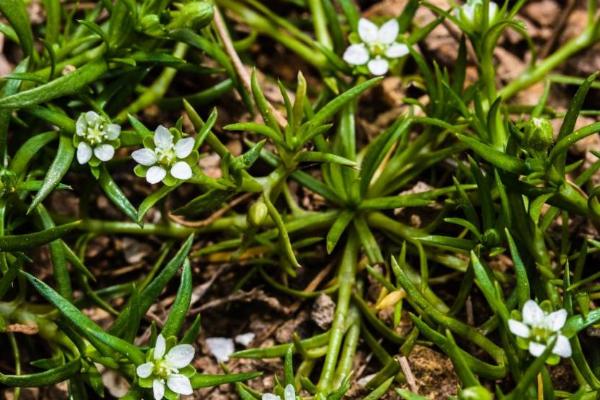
{"points": [[30, 240], [205, 380], [46, 378], [16, 13], [181, 305], [337, 229], [114, 193]]}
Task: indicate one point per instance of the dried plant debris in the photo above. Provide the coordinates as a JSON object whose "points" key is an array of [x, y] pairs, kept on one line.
{"points": [[299, 199]]}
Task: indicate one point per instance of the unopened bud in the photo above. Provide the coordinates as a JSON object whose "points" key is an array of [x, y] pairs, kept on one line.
{"points": [[539, 135], [257, 214], [194, 15]]}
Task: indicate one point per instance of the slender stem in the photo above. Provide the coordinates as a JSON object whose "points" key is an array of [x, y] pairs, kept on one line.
{"points": [[320, 23], [344, 368], [346, 279]]}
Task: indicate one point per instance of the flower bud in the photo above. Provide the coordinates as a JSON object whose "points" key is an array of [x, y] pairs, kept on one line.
{"points": [[470, 14], [475, 393], [150, 25], [539, 135], [257, 214], [194, 15]]}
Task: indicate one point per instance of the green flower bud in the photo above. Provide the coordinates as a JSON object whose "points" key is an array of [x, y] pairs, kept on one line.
{"points": [[150, 25], [475, 393], [470, 15], [257, 214], [194, 15], [539, 135]]}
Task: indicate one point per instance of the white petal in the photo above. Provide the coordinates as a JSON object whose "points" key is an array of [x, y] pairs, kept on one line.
{"points": [[492, 11], [518, 328], [245, 338], [181, 170], [396, 50], [81, 125], [144, 157], [180, 356], [104, 152], [154, 175], [160, 347], [289, 393], [367, 31], [388, 32], [113, 131], [92, 117], [378, 66], [556, 320], [158, 388], [468, 12], [221, 348], [356, 54], [533, 315], [184, 147], [163, 139], [180, 384], [562, 347], [145, 370], [536, 349], [84, 153], [269, 396]]}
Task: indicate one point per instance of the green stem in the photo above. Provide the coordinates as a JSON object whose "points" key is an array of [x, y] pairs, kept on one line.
{"points": [[346, 279], [344, 368], [320, 23]]}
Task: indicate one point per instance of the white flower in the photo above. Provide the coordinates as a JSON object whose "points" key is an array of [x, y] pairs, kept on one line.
{"points": [[470, 14], [289, 393], [538, 328], [164, 368], [166, 157], [95, 136], [378, 46]]}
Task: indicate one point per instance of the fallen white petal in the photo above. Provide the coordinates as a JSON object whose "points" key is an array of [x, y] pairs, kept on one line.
{"points": [[104, 152], [144, 370], [180, 384], [270, 396], [518, 328], [181, 170], [221, 348], [378, 66], [245, 338], [158, 389], [154, 175], [556, 320], [113, 131], [396, 50], [536, 349], [163, 139], [388, 32], [362, 382], [180, 356], [160, 347], [533, 315], [144, 157], [562, 347], [367, 31], [184, 147], [289, 393], [356, 54], [84, 153]]}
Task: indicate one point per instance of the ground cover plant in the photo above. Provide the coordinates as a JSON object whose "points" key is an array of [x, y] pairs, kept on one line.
{"points": [[299, 199]]}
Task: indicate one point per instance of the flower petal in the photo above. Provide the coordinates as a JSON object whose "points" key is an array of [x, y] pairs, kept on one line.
{"points": [[158, 389], [180, 384], [81, 125], [184, 147], [367, 31], [270, 396], [492, 12], [536, 349], [518, 328], [180, 356], [163, 139], [92, 117], [84, 153], [356, 54], [556, 320], [533, 315], [396, 50], [161, 344], [113, 131], [562, 347], [154, 175], [245, 338], [221, 348], [181, 170], [104, 152], [144, 157], [378, 66], [289, 393], [388, 32], [144, 370]]}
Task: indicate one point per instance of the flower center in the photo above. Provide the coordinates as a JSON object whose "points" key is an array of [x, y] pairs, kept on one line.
{"points": [[378, 49], [163, 370], [165, 156], [95, 134], [540, 334]]}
